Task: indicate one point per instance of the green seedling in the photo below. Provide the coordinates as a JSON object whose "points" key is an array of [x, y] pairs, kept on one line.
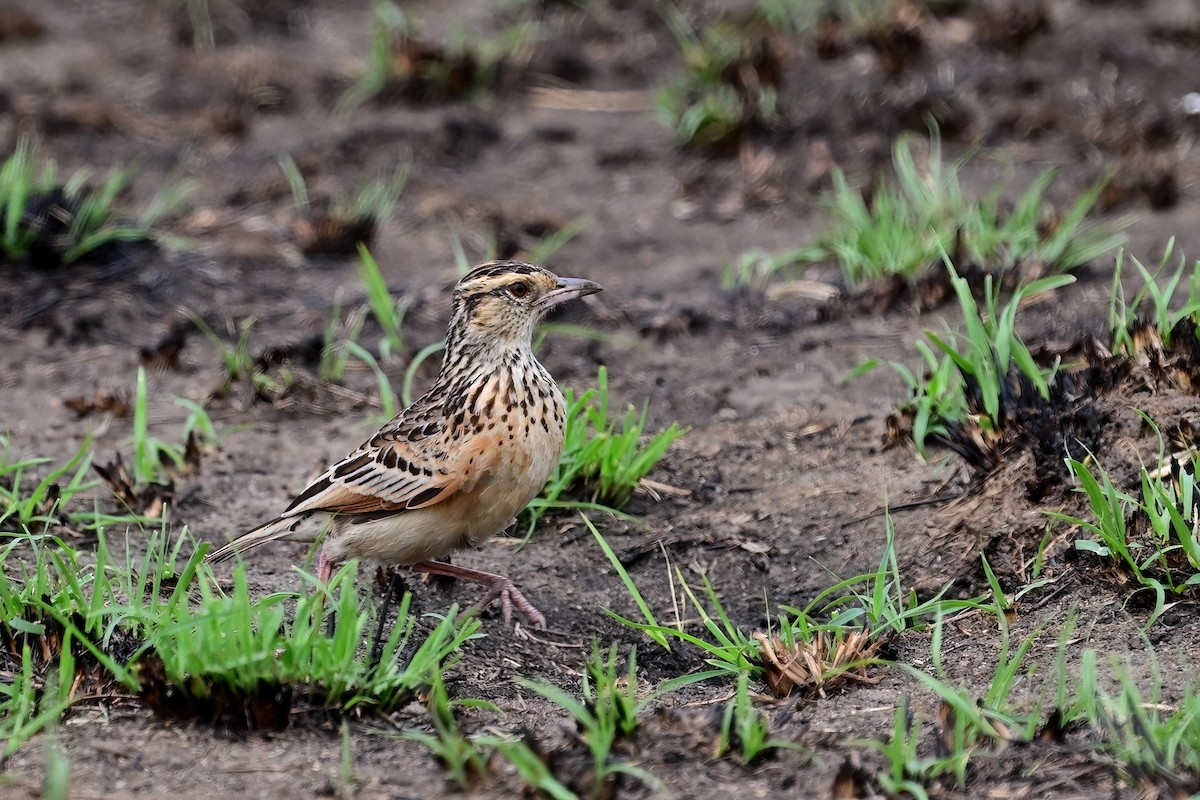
{"points": [[347, 220], [906, 769], [346, 778], [1168, 307], [33, 510], [986, 355], [529, 765], [389, 313], [339, 342], [746, 728], [967, 726], [728, 649], [1152, 535], [992, 345]]}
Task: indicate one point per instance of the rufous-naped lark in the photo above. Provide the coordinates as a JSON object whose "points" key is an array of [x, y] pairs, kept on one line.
{"points": [[460, 463]]}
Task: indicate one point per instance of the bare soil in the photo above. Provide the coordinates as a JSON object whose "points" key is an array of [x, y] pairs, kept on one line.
{"points": [[783, 478]]}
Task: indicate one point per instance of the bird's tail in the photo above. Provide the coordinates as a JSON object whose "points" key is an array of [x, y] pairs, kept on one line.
{"points": [[278, 528]]}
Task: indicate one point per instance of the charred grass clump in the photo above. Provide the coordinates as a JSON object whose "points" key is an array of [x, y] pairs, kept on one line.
{"points": [[403, 65], [341, 224], [729, 91], [49, 224], [984, 394]]}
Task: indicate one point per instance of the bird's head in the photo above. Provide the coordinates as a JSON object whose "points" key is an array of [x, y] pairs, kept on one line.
{"points": [[499, 303]]}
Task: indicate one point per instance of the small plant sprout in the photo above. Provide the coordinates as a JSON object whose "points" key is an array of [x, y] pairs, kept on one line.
{"points": [[388, 312], [399, 63], [983, 360], [153, 459], [905, 769], [1151, 536], [24, 510], [967, 728], [388, 402], [338, 342], [463, 758], [728, 650], [157, 463], [529, 764], [1137, 329], [992, 345]]}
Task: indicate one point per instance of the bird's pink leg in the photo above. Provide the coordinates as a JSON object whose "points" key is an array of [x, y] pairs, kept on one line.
{"points": [[499, 588], [324, 573], [324, 567]]}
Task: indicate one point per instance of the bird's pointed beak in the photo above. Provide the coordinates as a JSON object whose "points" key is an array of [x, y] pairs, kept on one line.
{"points": [[568, 289]]}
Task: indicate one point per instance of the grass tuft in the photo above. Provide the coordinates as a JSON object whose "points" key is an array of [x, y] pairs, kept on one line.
{"points": [[904, 229], [604, 456], [156, 623]]}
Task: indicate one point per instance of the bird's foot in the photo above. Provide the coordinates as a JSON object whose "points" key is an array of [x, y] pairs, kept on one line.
{"points": [[324, 567], [499, 588], [510, 597]]}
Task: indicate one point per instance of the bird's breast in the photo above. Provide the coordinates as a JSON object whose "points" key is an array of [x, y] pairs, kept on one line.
{"points": [[513, 447]]}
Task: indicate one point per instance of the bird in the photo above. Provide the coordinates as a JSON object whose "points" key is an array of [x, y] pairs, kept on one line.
{"points": [[458, 465]]}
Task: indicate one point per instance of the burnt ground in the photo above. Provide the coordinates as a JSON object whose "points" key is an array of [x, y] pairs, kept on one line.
{"points": [[783, 477]]}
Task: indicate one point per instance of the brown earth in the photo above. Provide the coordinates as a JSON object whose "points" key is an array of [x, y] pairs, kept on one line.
{"points": [[783, 477]]}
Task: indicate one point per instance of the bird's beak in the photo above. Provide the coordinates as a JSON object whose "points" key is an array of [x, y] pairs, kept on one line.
{"points": [[568, 289]]}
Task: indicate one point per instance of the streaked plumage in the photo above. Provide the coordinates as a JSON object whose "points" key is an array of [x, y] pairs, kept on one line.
{"points": [[461, 462]]}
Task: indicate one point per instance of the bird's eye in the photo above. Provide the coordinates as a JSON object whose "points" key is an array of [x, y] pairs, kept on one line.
{"points": [[519, 290]]}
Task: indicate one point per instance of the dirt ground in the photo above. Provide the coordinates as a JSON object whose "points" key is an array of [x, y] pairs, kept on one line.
{"points": [[782, 478]]}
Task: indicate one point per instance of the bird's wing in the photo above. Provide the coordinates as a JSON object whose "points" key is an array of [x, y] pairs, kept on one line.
{"points": [[404, 466]]}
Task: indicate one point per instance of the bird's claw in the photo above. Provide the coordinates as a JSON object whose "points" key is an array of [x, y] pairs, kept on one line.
{"points": [[510, 597]]}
